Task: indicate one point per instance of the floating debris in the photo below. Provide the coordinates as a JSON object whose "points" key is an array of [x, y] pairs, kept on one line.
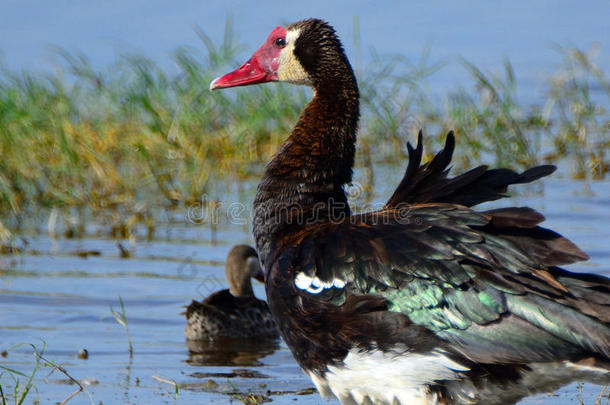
{"points": [[86, 253]]}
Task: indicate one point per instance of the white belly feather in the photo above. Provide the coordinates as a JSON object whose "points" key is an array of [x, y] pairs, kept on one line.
{"points": [[396, 377], [399, 377]]}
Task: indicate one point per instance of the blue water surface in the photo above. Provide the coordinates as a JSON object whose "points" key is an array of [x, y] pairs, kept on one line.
{"points": [[49, 294]]}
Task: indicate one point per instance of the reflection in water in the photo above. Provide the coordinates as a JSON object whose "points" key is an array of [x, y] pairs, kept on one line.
{"points": [[236, 373], [127, 379], [230, 352]]}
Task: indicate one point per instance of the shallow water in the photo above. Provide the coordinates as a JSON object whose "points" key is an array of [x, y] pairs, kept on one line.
{"points": [[51, 294]]}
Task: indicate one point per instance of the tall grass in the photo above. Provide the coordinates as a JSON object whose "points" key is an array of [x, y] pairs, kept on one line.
{"points": [[117, 143]]}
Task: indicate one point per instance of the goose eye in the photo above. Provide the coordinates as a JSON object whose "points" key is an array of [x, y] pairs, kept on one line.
{"points": [[280, 42]]}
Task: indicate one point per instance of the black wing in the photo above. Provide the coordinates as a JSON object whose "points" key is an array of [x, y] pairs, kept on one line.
{"points": [[486, 283], [429, 182]]}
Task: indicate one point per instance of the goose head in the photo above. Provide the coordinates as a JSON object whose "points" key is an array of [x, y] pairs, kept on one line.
{"points": [[307, 52]]}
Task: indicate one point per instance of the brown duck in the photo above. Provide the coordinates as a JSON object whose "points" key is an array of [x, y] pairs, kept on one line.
{"points": [[235, 312]]}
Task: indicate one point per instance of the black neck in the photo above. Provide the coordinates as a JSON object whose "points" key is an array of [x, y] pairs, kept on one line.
{"points": [[303, 183]]}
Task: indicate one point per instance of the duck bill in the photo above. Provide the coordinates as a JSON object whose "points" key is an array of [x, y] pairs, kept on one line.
{"points": [[262, 67], [248, 73]]}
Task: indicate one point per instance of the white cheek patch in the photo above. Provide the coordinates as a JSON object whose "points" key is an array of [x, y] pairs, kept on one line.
{"points": [[291, 36], [289, 69], [314, 285]]}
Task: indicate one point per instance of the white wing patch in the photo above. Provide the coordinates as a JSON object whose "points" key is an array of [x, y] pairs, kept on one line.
{"points": [[314, 285]]}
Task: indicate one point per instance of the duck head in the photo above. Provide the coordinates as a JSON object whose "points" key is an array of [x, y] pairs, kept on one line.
{"points": [[306, 52], [243, 265]]}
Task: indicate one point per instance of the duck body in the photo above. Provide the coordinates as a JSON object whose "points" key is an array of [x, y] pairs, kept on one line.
{"points": [[234, 312], [222, 315], [426, 301]]}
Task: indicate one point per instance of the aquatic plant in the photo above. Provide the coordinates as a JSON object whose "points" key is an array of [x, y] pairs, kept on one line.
{"points": [[121, 318], [20, 391], [127, 143]]}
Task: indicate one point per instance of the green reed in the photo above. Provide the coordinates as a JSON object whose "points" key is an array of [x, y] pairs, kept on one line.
{"points": [[116, 144]]}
